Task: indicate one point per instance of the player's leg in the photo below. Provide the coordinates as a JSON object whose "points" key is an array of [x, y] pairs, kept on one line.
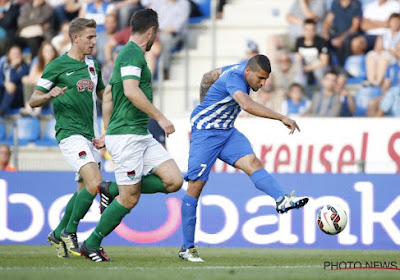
{"points": [[128, 198], [91, 178], [205, 146], [266, 183], [151, 183], [65, 218], [167, 177], [162, 175], [263, 181], [188, 211], [54, 237], [127, 153], [238, 152], [84, 158]]}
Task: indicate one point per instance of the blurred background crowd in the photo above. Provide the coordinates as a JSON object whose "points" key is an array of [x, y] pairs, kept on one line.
{"points": [[336, 58]]}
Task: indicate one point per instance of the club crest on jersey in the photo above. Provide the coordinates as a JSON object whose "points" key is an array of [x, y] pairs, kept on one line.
{"points": [[85, 83], [82, 155], [92, 71], [131, 174]]}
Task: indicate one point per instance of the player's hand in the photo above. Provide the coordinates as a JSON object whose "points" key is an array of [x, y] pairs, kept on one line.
{"points": [[167, 126], [291, 124], [99, 143], [56, 91]]}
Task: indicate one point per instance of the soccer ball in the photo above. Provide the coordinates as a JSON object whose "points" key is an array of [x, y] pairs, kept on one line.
{"points": [[331, 219]]}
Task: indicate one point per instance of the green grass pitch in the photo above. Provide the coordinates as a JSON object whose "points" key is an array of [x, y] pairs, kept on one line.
{"points": [[41, 262]]}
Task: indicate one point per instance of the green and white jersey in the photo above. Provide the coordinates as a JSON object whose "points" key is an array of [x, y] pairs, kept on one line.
{"points": [[126, 118], [75, 112]]}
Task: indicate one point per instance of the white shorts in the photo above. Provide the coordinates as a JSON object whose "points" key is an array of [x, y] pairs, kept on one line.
{"points": [[79, 151], [135, 156]]}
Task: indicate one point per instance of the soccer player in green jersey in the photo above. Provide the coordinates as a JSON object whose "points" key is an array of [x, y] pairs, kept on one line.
{"points": [[73, 82], [126, 112]]}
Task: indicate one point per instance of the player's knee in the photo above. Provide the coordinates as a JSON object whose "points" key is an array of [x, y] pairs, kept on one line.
{"points": [[130, 200], [92, 187], [256, 163], [174, 184]]}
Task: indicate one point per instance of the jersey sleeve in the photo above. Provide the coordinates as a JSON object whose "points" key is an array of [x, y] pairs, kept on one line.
{"points": [[131, 66], [358, 9], [48, 78], [323, 44], [235, 82]]}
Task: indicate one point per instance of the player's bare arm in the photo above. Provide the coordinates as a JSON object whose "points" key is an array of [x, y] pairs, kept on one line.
{"points": [[107, 105], [208, 79], [99, 142], [38, 97], [137, 97], [256, 109]]}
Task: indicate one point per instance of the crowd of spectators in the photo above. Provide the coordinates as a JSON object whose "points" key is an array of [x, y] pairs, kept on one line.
{"points": [[337, 58], [34, 32]]}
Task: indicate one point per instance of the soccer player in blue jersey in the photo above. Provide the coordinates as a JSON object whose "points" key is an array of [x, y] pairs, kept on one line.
{"points": [[223, 94]]}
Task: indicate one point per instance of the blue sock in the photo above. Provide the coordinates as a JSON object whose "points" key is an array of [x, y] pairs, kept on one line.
{"points": [[267, 184], [189, 205]]}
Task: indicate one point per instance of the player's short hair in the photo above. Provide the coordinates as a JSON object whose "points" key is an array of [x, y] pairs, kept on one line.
{"points": [[77, 25], [331, 72], [310, 21], [142, 20], [394, 15], [296, 85], [259, 61]]}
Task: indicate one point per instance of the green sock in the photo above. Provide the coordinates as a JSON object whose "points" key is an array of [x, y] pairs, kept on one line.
{"points": [[113, 189], [109, 220], [82, 204], [67, 214], [152, 184]]}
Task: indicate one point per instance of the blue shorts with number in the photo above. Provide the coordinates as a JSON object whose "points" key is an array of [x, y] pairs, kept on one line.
{"points": [[206, 145]]}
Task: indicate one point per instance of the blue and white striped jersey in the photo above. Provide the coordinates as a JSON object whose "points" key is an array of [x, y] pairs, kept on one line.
{"points": [[218, 109]]}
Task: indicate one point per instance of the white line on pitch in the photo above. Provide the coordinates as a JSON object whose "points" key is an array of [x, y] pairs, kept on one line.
{"points": [[161, 268]]}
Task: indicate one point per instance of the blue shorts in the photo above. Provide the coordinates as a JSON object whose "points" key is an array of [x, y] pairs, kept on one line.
{"points": [[206, 145]]}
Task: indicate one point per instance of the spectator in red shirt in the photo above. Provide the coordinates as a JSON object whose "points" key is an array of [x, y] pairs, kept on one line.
{"points": [[121, 38]]}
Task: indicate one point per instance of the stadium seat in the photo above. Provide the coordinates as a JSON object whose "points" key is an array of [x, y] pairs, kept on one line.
{"points": [[28, 131], [205, 9], [49, 136], [13, 111], [363, 96], [47, 111], [355, 66]]}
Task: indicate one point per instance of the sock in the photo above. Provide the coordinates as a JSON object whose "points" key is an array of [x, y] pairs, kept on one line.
{"points": [[65, 218], [109, 220], [113, 189], [189, 205], [267, 184], [152, 184], [82, 204]]}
